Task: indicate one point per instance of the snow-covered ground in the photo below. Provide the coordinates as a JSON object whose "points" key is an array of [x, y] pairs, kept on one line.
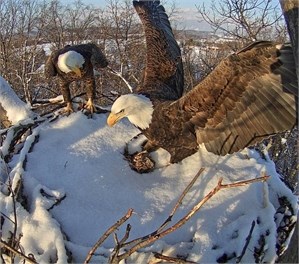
{"points": [[80, 162]]}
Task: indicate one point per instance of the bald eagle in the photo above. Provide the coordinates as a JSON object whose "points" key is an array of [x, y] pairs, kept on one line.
{"points": [[246, 98], [73, 63]]}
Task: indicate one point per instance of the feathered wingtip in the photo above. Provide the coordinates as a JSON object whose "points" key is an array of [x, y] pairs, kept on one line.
{"points": [[98, 56], [153, 10], [147, 3], [50, 69], [163, 52]]}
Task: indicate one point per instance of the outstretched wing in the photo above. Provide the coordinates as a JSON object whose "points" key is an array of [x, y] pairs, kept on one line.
{"points": [[249, 95], [164, 69]]}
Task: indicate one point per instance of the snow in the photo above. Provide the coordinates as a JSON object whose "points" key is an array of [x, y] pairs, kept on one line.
{"points": [[79, 162], [16, 109]]}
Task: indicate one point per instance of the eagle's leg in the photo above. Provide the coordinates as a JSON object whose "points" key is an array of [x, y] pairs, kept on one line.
{"points": [[69, 108], [90, 91], [149, 146], [90, 106], [65, 90]]}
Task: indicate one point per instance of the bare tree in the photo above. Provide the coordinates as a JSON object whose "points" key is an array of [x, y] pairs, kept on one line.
{"points": [[290, 11], [80, 18], [8, 22], [27, 42], [124, 43], [245, 20], [53, 23]]}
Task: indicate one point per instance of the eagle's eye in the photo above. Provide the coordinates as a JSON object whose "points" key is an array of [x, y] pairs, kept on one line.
{"points": [[121, 111]]}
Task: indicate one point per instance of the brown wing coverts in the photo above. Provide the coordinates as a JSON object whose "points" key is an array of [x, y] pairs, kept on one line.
{"points": [[97, 57], [244, 99], [163, 77]]}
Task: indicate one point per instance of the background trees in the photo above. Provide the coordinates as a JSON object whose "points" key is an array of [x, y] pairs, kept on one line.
{"points": [[29, 30], [245, 20]]}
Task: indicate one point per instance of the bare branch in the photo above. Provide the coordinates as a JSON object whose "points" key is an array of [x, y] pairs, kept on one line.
{"points": [[120, 76], [238, 260], [20, 254], [172, 259], [107, 234]]}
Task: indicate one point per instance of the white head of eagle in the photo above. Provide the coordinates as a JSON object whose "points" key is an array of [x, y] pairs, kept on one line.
{"points": [[137, 108], [71, 61]]}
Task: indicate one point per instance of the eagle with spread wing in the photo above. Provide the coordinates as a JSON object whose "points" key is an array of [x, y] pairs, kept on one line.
{"points": [[249, 96], [73, 63]]}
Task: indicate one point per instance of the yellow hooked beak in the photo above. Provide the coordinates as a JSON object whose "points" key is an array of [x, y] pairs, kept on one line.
{"points": [[77, 71], [114, 118]]}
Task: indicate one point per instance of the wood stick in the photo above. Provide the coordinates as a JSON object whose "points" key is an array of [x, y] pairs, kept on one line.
{"points": [[107, 233], [172, 259], [238, 260], [20, 254], [119, 245], [120, 76]]}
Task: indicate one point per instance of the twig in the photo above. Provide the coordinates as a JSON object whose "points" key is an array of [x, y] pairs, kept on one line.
{"points": [[120, 76], [243, 183], [238, 260], [20, 254], [119, 244], [126, 236], [7, 217], [107, 233], [172, 259]]}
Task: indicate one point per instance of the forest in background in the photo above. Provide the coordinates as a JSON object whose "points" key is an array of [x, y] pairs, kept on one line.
{"points": [[26, 27]]}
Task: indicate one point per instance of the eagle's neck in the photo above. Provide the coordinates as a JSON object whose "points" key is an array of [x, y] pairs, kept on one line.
{"points": [[69, 60], [141, 116]]}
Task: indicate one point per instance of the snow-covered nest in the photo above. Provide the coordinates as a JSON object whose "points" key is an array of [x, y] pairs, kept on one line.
{"points": [[76, 184]]}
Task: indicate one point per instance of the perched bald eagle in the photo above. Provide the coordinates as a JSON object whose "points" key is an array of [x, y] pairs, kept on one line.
{"points": [[73, 63], [247, 97]]}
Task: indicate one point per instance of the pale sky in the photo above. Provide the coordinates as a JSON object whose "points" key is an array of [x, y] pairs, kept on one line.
{"points": [[181, 4], [187, 16]]}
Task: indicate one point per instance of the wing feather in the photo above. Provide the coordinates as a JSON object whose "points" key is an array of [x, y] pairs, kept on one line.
{"points": [[50, 69], [97, 56], [244, 98], [163, 75]]}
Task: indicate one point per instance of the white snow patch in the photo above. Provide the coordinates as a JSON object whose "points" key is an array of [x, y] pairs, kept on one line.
{"points": [[16, 109]]}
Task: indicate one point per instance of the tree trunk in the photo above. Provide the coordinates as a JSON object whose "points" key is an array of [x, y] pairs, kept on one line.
{"points": [[290, 12]]}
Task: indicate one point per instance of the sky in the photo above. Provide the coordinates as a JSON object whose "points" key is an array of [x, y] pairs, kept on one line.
{"points": [[79, 161], [180, 4], [185, 3], [188, 17]]}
